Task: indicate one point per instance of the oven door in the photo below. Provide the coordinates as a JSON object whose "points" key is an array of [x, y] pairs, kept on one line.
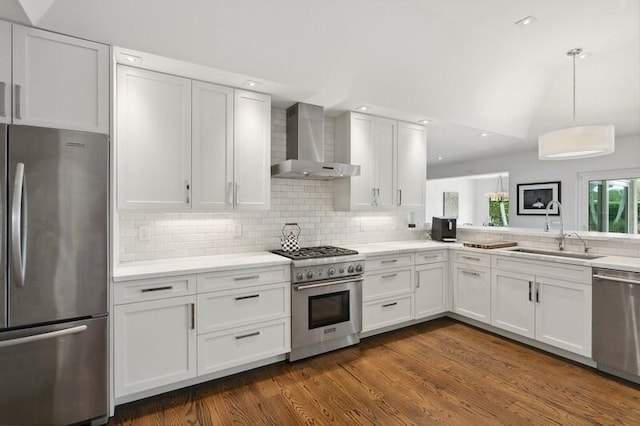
{"points": [[325, 311]]}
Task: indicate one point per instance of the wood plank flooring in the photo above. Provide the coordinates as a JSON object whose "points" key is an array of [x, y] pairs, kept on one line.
{"points": [[441, 372]]}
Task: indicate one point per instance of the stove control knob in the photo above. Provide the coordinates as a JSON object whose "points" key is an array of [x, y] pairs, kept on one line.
{"points": [[332, 271], [350, 269], [358, 268], [310, 274], [341, 270], [300, 276]]}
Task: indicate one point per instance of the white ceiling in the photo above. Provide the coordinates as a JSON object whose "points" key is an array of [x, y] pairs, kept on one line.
{"points": [[462, 62]]}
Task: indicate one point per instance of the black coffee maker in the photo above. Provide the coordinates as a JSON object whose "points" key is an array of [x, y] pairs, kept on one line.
{"points": [[443, 229]]}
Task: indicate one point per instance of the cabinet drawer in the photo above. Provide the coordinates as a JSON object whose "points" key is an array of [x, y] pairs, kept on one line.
{"points": [[472, 258], [153, 289], [563, 271], [387, 283], [380, 262], [226, 349], [247, 277], [430, 256], [238, 307], [387, 312]]}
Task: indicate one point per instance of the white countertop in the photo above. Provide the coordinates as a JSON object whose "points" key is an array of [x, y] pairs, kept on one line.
{"points": [[194, 265]]}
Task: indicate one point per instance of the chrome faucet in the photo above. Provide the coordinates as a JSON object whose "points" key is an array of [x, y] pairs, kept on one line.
{"points": [[586, 247], [547, 227]]}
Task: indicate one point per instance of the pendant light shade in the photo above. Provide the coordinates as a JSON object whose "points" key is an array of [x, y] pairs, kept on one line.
{"points": [[577, 141]]}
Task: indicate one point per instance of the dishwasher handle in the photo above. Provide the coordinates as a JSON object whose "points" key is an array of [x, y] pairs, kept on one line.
{"points": [[616, 279]]}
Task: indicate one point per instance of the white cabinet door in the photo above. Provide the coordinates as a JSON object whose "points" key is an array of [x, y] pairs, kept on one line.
{"points": [[384, 152], [472, 292], [212, 146], [5, 72], [252, 151], [154, 344], [411, 166], [563, 315], [430, 293], [60, 81], [363, 154], [513, 302], [153, 140]]}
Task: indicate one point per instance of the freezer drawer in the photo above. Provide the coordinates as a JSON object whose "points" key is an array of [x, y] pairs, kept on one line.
{"points": [[54, 375]]}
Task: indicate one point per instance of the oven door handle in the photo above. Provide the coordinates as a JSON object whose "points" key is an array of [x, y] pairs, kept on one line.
{"points": [[328, 283]]}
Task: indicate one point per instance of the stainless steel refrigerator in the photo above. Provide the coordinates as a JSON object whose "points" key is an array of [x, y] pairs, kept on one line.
{"points": [[54, 256]]}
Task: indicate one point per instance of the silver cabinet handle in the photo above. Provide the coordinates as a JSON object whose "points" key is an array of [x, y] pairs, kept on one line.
{"points": [[616, 279], [193, 316], [148, 290], [386, 305], [3, 104], [475, 274], [19, 226], [18, 94], [389, 275], [188, 189], [389, 261], [230, 193], [244, 336], [471, 258], [253, 296], [43, 336], [373, 196], [537, 292], [237, 191], [249, 277], [530, 285], [399, 197], [432, 256], [377, 196], [345, 281]]}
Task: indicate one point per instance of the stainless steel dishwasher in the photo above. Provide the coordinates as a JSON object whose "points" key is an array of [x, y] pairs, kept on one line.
{"points": [[616, 322]]}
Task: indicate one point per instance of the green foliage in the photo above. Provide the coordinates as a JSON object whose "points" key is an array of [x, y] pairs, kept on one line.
{"points": [[495, 217]]}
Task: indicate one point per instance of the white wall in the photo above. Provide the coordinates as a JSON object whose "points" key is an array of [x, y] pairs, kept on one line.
{"points": [[525, 167], [473, 204]]}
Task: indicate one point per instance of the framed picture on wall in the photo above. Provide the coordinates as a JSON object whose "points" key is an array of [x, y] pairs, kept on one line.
{"points": [[534, 197]]}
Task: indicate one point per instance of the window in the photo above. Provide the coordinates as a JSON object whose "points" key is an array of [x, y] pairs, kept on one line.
{"points": [[499, 211], [612, 203]]}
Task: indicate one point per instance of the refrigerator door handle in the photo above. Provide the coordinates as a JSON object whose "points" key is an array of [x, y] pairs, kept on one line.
{"points": [[18, 227], [43, 336]]}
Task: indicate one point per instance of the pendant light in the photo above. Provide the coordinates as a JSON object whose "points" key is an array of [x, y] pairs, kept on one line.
{"points": [[577, 141]]}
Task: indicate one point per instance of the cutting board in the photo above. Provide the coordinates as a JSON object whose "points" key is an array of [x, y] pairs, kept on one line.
{"points": [[490, 244]]}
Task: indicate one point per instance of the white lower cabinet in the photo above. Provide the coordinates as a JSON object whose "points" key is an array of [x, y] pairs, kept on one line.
{"points": [[238, 346], [472, 291], [386, 312], [430, 289], [154, 344], [548, 309], [171, 329]]}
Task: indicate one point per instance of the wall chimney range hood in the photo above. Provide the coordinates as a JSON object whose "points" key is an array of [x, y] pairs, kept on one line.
{"points": [[305, 148]]}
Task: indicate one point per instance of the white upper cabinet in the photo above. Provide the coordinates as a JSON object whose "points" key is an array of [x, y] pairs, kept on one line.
{"points": [[5, 72], [154, 140], [252, 151], [58, 81], [212, 146], [392, 157], [412, 166]]}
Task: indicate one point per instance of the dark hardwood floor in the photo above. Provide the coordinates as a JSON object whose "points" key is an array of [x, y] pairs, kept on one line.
{"points": [[441, 372]]}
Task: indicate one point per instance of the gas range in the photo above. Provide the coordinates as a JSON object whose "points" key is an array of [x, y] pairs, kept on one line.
{"points": [[323, 263]]}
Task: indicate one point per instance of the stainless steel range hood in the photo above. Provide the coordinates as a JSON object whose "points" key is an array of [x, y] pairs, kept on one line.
{"points": [[305, 148]]}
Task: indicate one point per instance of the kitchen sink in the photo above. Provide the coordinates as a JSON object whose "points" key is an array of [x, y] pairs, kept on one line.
{"points": [[559, 253]]}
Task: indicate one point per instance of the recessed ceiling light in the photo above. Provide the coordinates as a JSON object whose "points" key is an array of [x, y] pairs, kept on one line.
{"points": [[251, 83], [362, 108], [527, 20], [439, 158], [485, 134], [583, 55], [128, 58], [425, 121]]}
